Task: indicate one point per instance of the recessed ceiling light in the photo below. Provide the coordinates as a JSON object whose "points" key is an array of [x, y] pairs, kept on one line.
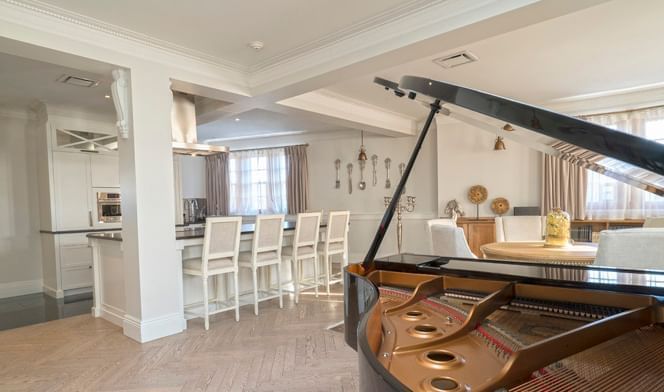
{"points": [[237, 119], [107, 96], [256, 45]]}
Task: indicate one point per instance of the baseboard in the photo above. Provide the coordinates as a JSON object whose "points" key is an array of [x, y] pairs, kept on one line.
{"points": [[13, 289], [110, 313], [51, 292], [148, 330]]}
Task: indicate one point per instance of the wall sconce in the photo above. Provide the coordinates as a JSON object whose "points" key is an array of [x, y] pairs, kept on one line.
{"points": [[499, 144]]}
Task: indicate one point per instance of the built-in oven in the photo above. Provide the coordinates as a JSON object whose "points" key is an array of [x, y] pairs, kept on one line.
{"points": [[108, 207]]}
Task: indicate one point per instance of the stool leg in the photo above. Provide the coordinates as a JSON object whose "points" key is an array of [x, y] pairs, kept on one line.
{"points": [[328, 272], [281, 298], [296, 282], [253, 271], [237, 295], [206, 311]]}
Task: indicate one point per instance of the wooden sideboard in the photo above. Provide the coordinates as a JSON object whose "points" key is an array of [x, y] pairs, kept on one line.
{"points": [[478, 232]]}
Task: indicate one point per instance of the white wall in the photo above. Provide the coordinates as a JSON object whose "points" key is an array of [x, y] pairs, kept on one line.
{"points": [[192, 174], [20, 249], [367, 207], [466, 158]]}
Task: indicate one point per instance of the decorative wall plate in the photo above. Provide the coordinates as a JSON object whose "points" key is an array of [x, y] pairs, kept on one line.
{"points": [[500, 205], [477, 194]]}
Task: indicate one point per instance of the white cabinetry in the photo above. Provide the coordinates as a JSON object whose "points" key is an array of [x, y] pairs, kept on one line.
{"points": [[104, 170], [73, 191], [75, 261]]}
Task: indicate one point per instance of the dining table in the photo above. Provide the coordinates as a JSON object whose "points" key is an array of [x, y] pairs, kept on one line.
{"points": [[577, 253]]}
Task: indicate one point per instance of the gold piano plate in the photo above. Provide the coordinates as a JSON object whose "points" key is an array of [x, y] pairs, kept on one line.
{"points": [[446, 333]]}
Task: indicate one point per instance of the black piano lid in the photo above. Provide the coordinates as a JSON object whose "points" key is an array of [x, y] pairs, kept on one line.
{"points": [[625, 157], [649, 282]]}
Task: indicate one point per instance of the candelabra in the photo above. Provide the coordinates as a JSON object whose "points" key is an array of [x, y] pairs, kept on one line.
{"points": [[406, 204]]}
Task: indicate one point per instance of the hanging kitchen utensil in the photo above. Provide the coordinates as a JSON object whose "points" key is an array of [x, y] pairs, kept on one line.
{"points": [[350, 178], [362, 185], [388, 184], [402, 167], [374, 162], [337, 166]]}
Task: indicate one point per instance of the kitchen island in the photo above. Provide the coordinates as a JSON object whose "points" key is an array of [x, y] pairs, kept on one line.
{"points": [[108, 269]]}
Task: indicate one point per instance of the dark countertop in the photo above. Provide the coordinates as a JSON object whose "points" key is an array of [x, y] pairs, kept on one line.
{"points": [[185, 233], [80, 231]]}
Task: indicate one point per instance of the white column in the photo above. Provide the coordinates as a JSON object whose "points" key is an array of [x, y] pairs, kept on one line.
{"points": [[152, 277]]}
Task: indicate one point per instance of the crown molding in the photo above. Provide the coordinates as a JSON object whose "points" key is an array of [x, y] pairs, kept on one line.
{"points": [[609, 101], [67, 16], [409, 22], [420, 21], [388, 16]]}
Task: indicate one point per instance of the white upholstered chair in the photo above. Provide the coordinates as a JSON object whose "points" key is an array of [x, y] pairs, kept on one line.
{"points": [[335, 244], [304, 249], [449, 241], [437, 222], [631, 248], [650, 223], [221, 244], [265, 252], [520, 228]]}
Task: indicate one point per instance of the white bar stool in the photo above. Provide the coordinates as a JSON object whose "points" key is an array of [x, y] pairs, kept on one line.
{"points": [[265, 252], [221, 245], [336, 243], [304, 248]]}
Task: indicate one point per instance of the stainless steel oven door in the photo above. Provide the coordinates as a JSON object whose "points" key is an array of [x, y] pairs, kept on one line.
{"points": [[108, 207]]}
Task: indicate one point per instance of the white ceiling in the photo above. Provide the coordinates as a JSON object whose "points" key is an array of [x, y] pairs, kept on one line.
{"points": [[222, 28], [258, 123], [24, 80], [610, 46]]}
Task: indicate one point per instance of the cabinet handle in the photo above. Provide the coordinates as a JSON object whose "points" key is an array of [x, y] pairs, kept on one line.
{"points": [[90, 217]]}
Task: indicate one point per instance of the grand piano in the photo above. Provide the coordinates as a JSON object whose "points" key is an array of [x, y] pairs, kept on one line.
{"points": [[430, 323]]}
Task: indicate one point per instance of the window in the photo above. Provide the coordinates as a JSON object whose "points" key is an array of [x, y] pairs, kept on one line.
{"points": [[607, 198], [257, 180]]}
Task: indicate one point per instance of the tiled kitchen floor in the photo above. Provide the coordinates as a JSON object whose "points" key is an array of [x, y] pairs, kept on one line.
{"points": [[38, 308]]}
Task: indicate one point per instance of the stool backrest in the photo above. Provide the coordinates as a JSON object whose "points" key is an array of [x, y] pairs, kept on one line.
{"points": [[221, 239], [268, 235], [337, 227], [307, 229]]}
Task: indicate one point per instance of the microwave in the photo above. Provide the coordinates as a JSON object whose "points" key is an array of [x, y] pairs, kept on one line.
{"points": [[108, 207]]}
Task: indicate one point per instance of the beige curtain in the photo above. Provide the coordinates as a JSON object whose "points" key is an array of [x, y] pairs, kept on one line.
{"points": [[564, 180], [217, 184], [297, 179]]}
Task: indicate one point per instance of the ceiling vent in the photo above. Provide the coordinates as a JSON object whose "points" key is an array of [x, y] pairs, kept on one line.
{"points": [[456, 59], [77, 81]]}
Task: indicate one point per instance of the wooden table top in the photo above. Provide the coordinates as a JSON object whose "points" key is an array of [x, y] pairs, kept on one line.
{"points": [[535, 251]]}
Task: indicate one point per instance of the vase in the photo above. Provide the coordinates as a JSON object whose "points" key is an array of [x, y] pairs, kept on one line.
{"points": [[557, 228]]}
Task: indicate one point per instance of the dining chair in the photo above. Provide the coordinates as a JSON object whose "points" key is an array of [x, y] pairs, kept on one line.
{"points": [[438, 222], [631, 248], [336, 243], [221, 245], [449, 241], [520, 228], [304, 248], [265, 252], [653, 222]]}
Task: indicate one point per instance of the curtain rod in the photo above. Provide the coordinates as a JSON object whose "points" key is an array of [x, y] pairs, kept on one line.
{"points": [[268, 148]]}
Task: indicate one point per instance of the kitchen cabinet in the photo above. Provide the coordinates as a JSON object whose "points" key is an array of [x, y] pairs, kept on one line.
{"points": [[67, 263], [73, 191], [104, 171]]}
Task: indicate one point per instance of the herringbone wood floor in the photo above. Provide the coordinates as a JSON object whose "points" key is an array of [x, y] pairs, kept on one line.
{"points": [[279, 350]]}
